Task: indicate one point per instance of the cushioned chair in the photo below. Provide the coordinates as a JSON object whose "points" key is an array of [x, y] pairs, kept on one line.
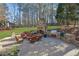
{"points": [[69, 37]]}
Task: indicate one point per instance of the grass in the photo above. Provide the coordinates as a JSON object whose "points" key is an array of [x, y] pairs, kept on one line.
{"points": [[53, 27], [8, 33]]}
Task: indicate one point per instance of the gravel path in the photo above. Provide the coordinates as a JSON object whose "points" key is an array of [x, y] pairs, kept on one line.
{"points": [[47, 47]]}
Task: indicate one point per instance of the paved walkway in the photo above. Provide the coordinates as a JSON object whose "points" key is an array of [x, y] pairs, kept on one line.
{"points": [[7, 43], [48, 47]]}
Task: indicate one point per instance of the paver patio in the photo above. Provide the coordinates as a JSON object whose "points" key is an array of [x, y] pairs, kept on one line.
{"points": [[47, 47]]}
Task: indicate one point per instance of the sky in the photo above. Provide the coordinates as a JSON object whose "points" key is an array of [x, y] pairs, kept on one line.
{"points": [[11, 11]]}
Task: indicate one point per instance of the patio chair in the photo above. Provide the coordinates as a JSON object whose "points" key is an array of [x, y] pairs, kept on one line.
{"points": [[76, 40], [69, 37]]}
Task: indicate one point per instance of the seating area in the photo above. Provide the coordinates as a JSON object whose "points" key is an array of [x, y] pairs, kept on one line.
{"points": [[31, 37], [69, 33]]}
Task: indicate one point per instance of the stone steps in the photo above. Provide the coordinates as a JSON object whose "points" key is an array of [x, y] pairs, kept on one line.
{"points": [[7, 42], [72, 52]]}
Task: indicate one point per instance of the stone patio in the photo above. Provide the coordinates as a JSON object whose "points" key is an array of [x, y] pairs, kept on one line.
{"points": [[48, 47]]}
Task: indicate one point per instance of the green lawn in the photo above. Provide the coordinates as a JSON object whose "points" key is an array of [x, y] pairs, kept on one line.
{"points": [[7, 33]]}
